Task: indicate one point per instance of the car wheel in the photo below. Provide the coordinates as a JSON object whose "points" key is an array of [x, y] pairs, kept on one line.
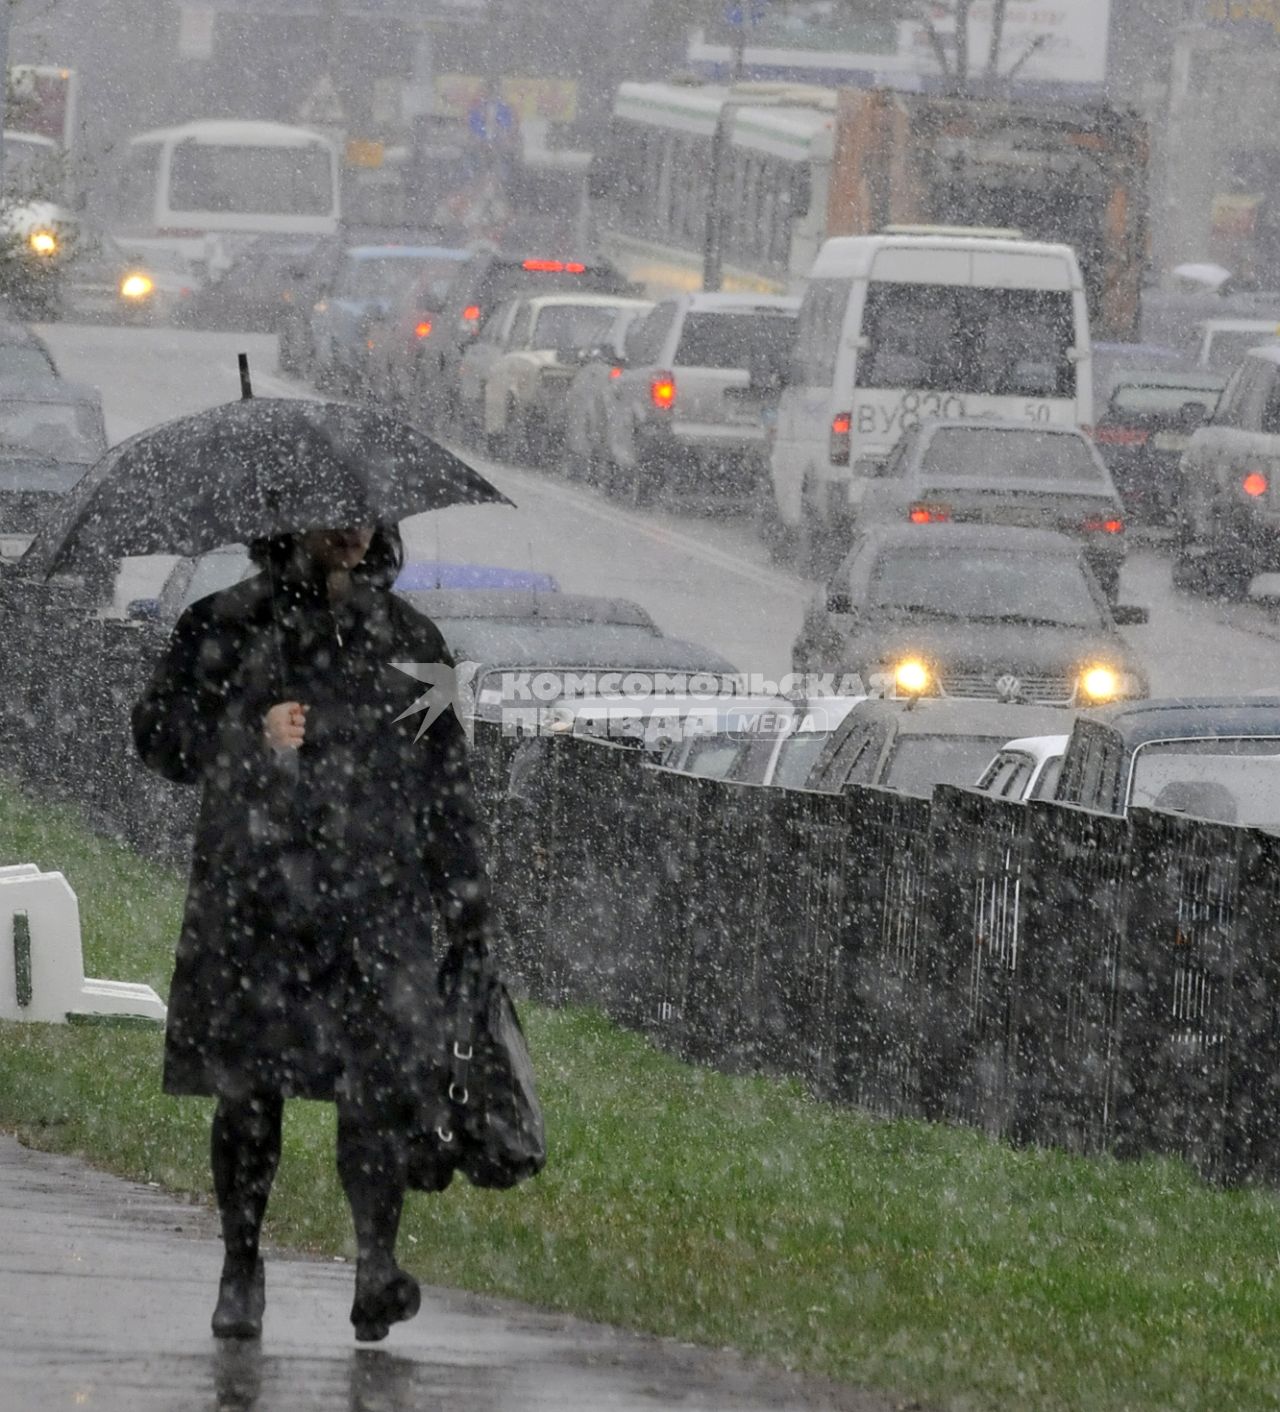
{"points": [[1226, 576]]}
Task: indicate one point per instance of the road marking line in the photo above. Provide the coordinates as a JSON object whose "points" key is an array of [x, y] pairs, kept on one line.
{"points": [[659, 534]]}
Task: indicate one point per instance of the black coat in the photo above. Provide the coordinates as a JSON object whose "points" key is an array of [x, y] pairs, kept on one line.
{"points": [[305, 959]]}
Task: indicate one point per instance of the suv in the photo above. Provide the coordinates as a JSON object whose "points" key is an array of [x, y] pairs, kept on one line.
{"points": [[1228, 517], [488, 280], [700, 375]]}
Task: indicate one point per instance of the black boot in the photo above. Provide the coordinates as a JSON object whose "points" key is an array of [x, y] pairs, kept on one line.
{"points": [[242, 1296], [385, 1295]]}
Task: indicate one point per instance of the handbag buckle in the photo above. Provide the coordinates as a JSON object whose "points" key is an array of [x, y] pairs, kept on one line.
{"points": [[444, 1135], [458, 1054], [458, 1095]]}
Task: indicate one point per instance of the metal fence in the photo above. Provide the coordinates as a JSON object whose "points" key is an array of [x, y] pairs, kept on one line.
{"points": [[1049, 975], [1046, 974]]}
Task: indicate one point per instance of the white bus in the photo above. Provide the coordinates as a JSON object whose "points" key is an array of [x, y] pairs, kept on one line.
{"points": [[202, 188], [898, 328], [652, 184]]}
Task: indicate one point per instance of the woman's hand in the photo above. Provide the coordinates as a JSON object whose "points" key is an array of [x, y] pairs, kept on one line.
{"points": [[285, 725]]}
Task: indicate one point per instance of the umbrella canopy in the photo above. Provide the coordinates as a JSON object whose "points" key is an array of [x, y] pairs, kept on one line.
{"points": [[250, 470]]}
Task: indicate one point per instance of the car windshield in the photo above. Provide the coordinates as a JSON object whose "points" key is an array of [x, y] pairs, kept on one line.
{"points": [[251, 180], [1149, 399], [995, 585], [214, 572], [995, 454], [565, 326], [1226, 350], [749, 340], [380, 277], [919, 762], [1001, 342], [1234, 781], [63, 431], [435, 279]]}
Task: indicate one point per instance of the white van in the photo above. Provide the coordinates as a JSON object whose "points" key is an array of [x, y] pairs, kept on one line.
{"points": [[896, 328]]}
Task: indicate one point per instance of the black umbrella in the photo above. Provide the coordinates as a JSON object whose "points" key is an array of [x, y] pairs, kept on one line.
{"points": [[250, 470]]}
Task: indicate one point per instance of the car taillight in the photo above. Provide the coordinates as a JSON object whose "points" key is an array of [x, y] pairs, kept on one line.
{"points": [[1098, 524], [841, 442], [615, 374], [556, 267], [423, 330], [662, 391], [471, 318], [929, 514], [1120, 436], [1255, 484]]}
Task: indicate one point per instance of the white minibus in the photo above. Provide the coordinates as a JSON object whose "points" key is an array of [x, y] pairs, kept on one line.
{"points": [[896, 328], [203, 188]]}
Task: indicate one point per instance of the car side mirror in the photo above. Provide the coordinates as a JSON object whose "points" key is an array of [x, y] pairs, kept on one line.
{"points": [[1130, 615], [839, 600]]}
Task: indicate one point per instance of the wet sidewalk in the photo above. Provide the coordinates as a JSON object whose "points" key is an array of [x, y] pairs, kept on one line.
{"points": [[106, 1289]]}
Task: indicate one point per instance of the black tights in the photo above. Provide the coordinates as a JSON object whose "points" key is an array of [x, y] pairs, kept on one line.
{"points": [[245, 1152]]}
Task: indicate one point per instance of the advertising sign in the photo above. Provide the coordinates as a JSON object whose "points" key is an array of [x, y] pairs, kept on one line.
{"points": [[1056, 41], [1049, 41]]}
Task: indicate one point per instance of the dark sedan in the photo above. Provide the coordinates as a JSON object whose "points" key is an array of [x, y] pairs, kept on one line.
{"points": [[971, 611], [507, 639], [958, 471], [1143, 432], [1212, 758]]}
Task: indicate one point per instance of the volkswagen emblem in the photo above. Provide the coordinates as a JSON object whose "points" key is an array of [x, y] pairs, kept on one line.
{"points": [[1009, 687]]}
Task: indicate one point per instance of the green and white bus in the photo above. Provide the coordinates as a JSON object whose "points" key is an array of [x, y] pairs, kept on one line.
{"points": [[652, 182]]}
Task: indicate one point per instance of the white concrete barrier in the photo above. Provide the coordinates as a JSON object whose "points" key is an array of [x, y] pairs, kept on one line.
{"points": [[42, 960]]}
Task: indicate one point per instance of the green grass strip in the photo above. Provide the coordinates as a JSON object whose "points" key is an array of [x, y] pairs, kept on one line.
{"points": [[923, 1260]]}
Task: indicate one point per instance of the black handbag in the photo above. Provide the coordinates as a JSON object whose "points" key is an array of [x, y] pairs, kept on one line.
{"points": [[486, 1121]]}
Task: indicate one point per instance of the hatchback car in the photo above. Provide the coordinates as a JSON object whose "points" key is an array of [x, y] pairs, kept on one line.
{"points": [[1147, 424], [972, 611], [51, 432], [699, 376], [914, 747], [970, 471], [1213, 758], [398, 369], [1025, 769]]}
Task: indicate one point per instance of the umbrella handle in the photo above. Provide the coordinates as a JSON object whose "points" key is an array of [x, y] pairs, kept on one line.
{"points": [[246, 386]]}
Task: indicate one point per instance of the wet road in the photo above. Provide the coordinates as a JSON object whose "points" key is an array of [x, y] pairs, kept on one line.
{"points": [[702, 576], [106, 1289]]}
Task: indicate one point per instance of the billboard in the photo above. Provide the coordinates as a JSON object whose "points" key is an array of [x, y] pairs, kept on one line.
{"points": [[1050, 41], [1256, 19]]}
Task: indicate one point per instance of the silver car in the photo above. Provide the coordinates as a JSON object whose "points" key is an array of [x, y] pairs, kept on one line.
{"points": [[700, 376]]}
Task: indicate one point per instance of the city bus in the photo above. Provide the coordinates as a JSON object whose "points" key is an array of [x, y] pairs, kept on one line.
{"points": [[202, 190], [652, 183]]}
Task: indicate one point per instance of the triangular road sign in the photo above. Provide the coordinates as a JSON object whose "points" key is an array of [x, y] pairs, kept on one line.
{"points": [[322, 105]]}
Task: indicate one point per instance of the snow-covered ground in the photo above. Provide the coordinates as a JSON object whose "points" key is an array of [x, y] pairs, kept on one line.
{"points": [[702, 576]]}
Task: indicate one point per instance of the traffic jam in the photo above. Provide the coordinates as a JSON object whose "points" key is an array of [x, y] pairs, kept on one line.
{"points": [[955, 427]]}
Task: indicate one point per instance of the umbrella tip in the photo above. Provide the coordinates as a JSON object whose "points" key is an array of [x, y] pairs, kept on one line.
{"points": [[246, 387]]}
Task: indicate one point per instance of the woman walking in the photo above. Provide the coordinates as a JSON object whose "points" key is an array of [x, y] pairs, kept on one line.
{"points": [[329, 825]]}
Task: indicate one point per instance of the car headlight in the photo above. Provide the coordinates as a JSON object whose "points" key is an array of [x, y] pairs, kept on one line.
{"points": [[136, 286], [43, 242], [911, 677], [1100, 684]]}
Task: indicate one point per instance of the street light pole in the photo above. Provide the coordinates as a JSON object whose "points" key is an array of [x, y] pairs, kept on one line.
{"points": [[4, 74]]}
